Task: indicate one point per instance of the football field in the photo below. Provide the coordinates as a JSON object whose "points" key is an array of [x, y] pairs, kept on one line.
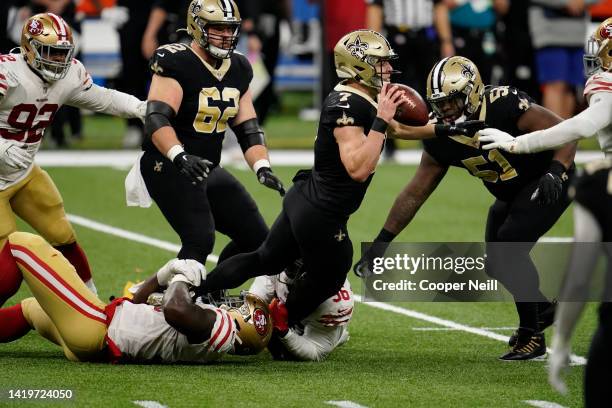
{"points": [[399, 355]]}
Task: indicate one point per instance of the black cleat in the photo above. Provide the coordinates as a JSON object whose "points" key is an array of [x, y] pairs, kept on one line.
{"points": [[527, 348], [545, 320]]}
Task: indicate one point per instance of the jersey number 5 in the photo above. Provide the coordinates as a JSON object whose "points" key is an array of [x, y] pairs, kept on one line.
{"points": [[210, 117], [507, 171]]}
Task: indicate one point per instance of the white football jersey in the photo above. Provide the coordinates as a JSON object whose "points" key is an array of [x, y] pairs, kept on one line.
{"points": [[597, 84], [28, 104], [141, 333]]}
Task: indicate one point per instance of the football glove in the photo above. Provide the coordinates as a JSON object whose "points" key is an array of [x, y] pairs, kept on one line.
{"points": [[166, 273], [269, 179], [467, 128], [550, 185], [193, 167], [280, 317], [491, 138], [365, 266], [13, 156], [189, 271]]}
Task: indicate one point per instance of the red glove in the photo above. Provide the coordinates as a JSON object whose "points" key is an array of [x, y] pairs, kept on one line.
{"points": [[280, 316]]}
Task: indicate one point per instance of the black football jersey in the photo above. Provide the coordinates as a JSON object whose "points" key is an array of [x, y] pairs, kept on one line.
{"points": [[330, 187], [504, 174], [210, 97], [593, 190]]}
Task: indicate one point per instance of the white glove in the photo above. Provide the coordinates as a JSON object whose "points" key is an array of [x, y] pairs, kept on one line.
{"points": [[557, 363], [491, 138], [166, 273], [189, 271], [12, 155]]}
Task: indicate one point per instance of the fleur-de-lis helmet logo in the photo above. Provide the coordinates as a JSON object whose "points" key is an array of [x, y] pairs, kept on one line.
{"points": [[357, 48], [467, 71]]}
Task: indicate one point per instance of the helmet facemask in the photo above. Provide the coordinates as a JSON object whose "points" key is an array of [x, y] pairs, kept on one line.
{"points": [[52, 61], [452, 107], [377, 65], [227, 43]]}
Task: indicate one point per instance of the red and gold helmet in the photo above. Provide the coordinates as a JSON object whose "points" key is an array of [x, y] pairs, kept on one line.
{"points": [[253, 322], [598, 49], [47, 45]]}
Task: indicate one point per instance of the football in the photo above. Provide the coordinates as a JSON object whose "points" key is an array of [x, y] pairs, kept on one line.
{"points": [[413, 112]]}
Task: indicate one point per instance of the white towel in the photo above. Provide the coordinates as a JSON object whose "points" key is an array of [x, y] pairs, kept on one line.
{"points": [[136, 193]]}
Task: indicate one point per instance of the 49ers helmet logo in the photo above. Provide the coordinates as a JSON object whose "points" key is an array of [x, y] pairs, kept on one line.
{"points": [[35, 27], [259, 320], [606, 32]]}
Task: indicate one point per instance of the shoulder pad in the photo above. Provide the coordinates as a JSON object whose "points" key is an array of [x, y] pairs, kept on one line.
{"points": [[166, 61]]}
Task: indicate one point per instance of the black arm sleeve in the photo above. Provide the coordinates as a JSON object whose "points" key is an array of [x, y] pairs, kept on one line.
{"points": [[249, 134], [158, 115]]}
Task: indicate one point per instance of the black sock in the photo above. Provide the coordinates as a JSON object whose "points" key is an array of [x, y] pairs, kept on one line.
{"points": [[528, 315]]}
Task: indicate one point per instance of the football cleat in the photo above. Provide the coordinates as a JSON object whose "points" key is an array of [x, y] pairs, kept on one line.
{"points": [[545, 320], [527, 348]]}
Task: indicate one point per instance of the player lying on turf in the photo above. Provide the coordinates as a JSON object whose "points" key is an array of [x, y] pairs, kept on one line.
{"points": [[33, 86], [65, 312], [530, 191], [592, 224], [319, 333], [595, 120]]}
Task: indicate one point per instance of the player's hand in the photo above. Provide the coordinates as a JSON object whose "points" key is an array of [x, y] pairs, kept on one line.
{"points": [[467, 128], [389, 99], [269, 179], [166, 273], [550, 185], [365, 266], [280, 316], [194, 167], [557, 363], [189, 271], [491, 138], [12, 155]]}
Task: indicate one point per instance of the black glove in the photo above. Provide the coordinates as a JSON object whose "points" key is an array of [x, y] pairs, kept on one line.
{"points": [[365, 265], [550, 185], [194, 167], [269, 179], [467, 128]]}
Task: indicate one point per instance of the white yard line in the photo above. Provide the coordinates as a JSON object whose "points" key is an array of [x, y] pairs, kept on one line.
{"points": [[133, 236], [452, 329], [543, 404], [149, 404], [345, 404], [125, 158]]}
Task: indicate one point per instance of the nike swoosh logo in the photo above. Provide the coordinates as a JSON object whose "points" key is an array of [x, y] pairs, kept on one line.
{"points": [[343, 106], [161, 55]]}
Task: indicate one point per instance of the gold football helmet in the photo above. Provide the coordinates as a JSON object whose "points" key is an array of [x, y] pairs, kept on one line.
{"points": [[253, 322], [598, 49], [454, 88], [357, 56], [47, 45], [204, 13]]}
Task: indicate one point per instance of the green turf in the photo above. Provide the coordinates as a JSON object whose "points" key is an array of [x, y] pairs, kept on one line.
{"points": [[385, 363]]}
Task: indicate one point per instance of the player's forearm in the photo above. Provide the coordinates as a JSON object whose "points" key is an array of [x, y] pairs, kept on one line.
{"points": [[364, 159], [566, 154], [164, 139], [404, 209], [111, 102], [255, 154], [149, 286], [404, 132]]}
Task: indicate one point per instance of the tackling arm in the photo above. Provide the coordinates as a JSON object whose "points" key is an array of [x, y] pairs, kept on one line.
{"points": [[313, 346], [181, 313], [109, 101]]}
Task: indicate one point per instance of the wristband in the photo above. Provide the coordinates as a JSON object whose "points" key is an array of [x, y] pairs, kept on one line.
{"points": [[385, 236], [379, 125], [174, 151], [260, 164]]}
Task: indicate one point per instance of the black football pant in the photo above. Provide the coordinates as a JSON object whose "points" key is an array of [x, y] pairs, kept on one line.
{"points": [[301, 230], [599, 364], [195, 212], [521, 222]]}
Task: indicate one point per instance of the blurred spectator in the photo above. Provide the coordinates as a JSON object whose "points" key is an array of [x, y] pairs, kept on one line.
{"points": [[20, 12], [473, 25], [166, 17], [419, 32], [130, 18], [517, 52], [261, 22], [93, 8], [339, 17], [66, 114], [558, 31]]}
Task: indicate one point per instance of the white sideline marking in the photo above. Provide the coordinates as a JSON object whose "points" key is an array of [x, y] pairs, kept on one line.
{"points": [[129, 235], [451, 329], [345, 404], [149, 404], [543, 404], [576, 360], [133, 236], [125, 158]]}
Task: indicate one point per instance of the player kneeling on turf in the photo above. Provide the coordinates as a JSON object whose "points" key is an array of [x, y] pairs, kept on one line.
{"points": [[65, 312]]}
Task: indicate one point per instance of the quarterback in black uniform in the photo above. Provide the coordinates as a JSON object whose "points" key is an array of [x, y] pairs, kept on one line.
{"points": [[529, 189], [312, 224], [592, 234], [197, 91]]}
